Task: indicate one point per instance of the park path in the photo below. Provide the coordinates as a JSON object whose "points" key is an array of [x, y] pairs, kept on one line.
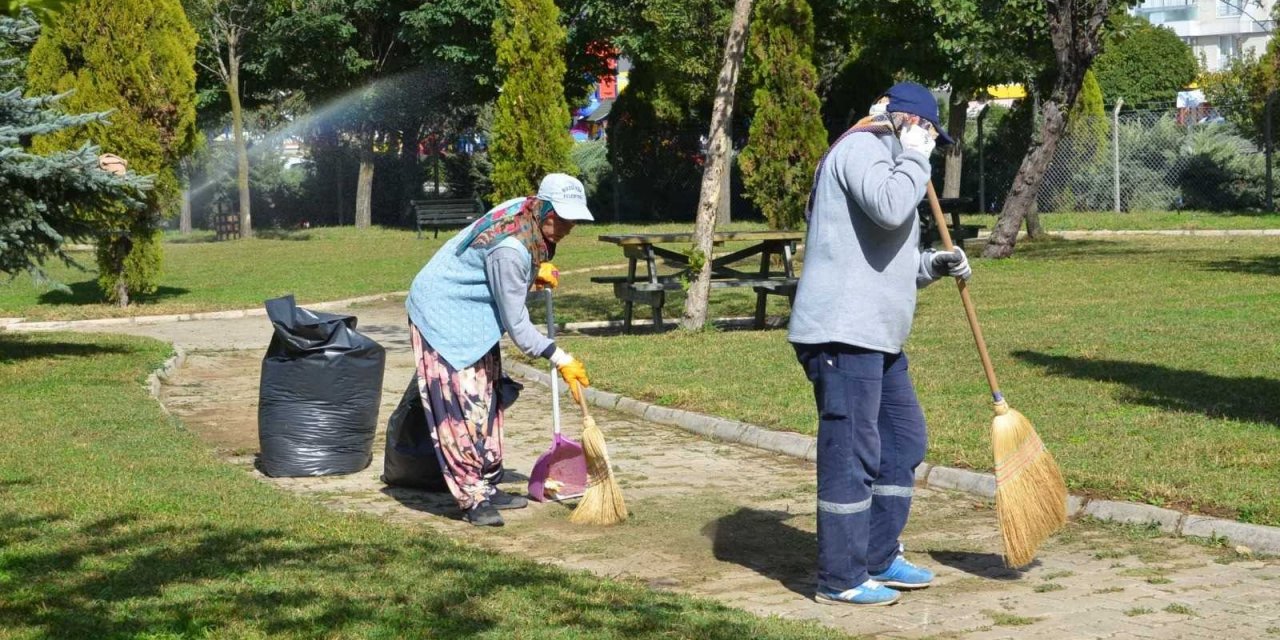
{"points": [[736, 524]]}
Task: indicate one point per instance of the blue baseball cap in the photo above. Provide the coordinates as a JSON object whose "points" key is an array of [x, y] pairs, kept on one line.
{"points": [[909, 97]]}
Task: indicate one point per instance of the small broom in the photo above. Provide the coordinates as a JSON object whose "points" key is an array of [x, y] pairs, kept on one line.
{"points": [[1031, 497], [602, 503]]}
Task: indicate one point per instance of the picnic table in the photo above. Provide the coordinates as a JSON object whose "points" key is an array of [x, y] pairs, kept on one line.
{"points": [[651, 286]]}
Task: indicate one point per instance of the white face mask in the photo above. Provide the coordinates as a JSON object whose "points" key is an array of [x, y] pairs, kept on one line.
{"points": [[879, 108]]}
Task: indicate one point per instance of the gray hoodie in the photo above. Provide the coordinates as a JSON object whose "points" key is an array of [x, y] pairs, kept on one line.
{"points": [[862, 261]]}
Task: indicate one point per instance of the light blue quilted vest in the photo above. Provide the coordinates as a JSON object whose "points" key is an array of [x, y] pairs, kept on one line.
{"points": [[451, 305]]}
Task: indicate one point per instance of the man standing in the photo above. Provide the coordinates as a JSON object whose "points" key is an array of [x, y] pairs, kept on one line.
{"points": [[852, 314]]}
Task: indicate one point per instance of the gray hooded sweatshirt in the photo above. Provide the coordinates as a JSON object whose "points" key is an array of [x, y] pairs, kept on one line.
{"points": [[862, 262]]}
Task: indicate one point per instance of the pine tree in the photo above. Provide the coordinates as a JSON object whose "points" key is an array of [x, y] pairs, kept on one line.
{"points": [[530, 135], [46, 199], [787, 137], [144, 74]]}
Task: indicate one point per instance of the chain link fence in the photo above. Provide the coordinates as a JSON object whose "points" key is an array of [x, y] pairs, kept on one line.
{"points": [[1154, 160]]}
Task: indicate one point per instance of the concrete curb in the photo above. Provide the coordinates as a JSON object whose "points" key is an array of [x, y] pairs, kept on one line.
{"points": [[1255, 537], [165, 372]]}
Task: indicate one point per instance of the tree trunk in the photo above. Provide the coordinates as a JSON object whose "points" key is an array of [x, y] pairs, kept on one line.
{"points": [[1026, 185], [1074, 27], [1035, 230], [364, 186], [956, 120], [715, 171], [411, 175], [184, 216], [723, 213], [237, 131]]}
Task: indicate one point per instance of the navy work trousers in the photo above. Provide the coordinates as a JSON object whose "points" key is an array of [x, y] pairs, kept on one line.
{"points": [[871, 438]]}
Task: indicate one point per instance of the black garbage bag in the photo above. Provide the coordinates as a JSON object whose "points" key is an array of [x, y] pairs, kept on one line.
{"points": [[319, 394], [410, 459]]}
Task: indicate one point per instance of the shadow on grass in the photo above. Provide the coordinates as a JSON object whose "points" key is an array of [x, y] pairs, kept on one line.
{"points": [[1258, 266], [1054, 248], [1254, 399], [763, 542], [16, 348], [87, 292], [985, 565], [128, 576]]}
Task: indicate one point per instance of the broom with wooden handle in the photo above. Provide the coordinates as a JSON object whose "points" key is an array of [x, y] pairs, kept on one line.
{"points": [[1031, 497], [602, 503]]}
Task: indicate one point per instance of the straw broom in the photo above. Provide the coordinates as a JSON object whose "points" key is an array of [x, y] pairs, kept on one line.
{"points": [[1031, 497], [602, 503]]}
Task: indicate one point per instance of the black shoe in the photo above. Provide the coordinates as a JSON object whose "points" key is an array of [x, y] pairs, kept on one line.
{"points": [[484, 515], [502, 500]]}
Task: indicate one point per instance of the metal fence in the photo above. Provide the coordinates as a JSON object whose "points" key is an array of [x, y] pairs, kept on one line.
{"points": [[1154, 160]]}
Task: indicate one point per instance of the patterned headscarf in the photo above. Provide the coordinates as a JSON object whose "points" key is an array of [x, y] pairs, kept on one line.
{"points": [[522, 220]]}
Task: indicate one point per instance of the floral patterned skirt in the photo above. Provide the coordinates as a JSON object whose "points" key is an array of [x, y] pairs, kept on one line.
{"points": [[465, 418]]}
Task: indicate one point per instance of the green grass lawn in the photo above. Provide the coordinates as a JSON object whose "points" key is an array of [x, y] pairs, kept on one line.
{"points": [[315, 265], [336, 263], [1150, 366], [117, 523], [1144, 220]]}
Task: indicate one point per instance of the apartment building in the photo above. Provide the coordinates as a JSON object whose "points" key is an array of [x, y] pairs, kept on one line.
{"points": [[1217, 30]]}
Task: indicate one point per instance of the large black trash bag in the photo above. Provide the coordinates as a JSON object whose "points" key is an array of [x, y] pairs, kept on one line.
{"points": [[319, 394], [410, 459]]}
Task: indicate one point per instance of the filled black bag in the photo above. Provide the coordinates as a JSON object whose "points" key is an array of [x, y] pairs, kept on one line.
{"points": [[319, 394], [410, 459]]}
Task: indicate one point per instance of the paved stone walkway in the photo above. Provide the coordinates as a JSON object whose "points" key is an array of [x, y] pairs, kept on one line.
{"points": [[736, 524]]}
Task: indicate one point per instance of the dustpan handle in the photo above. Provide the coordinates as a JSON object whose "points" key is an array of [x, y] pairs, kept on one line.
{"points": [[941, 222], [555, 380]]}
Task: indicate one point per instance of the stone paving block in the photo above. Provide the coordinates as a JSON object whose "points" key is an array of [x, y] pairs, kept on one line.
{"points": [[729, 430], [602, 399], [218, 315], [632, 406], [791, 444], [1127, 512], [983, 484], [699, 424], [922, 473], [1256, 537], [750, 435], [661, 415], [176, 317], [1074, 505]]}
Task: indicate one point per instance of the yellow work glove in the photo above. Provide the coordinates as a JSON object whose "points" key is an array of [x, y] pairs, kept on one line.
{"points": [[573, 372], [548, 277]]}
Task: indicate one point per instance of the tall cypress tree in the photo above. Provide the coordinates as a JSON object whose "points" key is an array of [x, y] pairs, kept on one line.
{"points": [[144, 74], [530, 136], [787, 136]]}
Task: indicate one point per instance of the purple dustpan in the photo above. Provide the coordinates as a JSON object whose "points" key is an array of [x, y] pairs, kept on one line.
{"points": [[561, 472], [564, 464]]}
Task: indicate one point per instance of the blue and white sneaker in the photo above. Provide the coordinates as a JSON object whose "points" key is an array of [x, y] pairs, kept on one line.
{"points": [[869, 593], [904, 575]]}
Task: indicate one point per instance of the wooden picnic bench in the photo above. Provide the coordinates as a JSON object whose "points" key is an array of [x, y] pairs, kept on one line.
{"points": [[650, 288], [444, 212]]}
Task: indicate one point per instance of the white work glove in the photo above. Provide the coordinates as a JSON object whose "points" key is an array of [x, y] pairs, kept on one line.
{"points": [[953, 263], [916, 138]]}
